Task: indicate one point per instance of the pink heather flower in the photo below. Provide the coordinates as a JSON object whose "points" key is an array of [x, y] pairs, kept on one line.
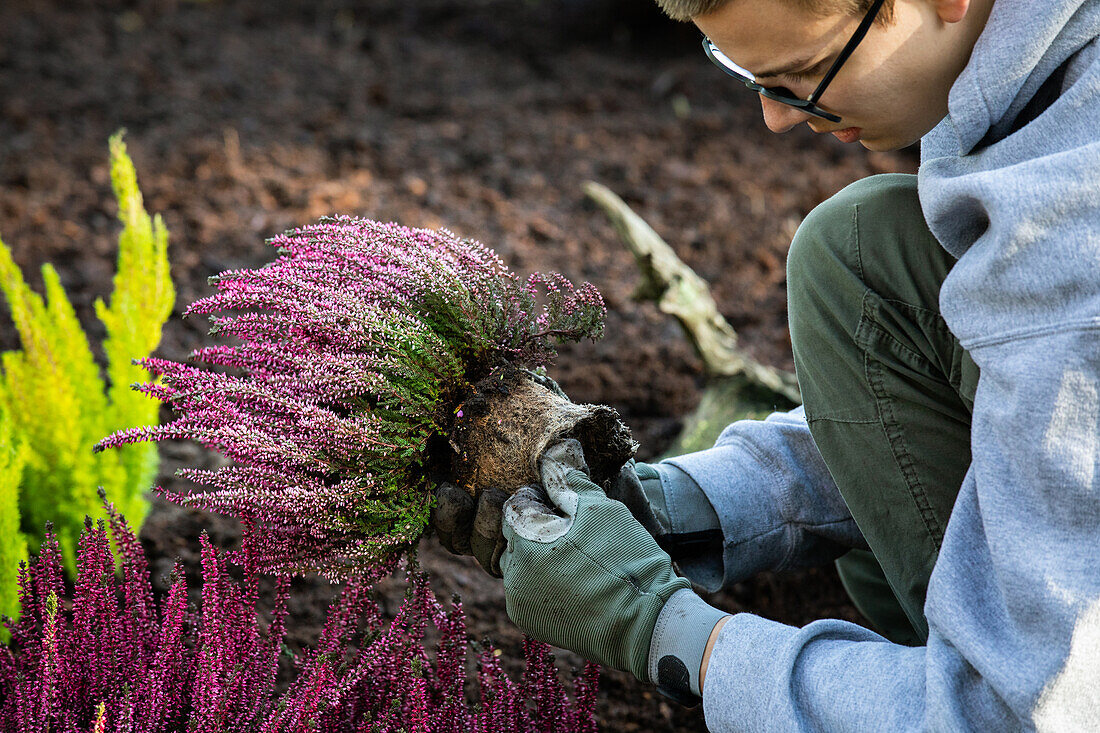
{"points": [[351, 352], [108, 659]]}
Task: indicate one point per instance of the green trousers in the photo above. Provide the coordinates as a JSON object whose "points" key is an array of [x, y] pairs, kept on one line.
{"points": [[887, 388]]}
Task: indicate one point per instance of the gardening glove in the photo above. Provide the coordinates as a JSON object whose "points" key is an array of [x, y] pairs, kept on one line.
{"points": [[581, 573], [672, 508], [469, 526]]}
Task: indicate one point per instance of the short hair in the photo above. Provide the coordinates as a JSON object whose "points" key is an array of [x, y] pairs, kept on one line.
{"points": [[688, 9]]}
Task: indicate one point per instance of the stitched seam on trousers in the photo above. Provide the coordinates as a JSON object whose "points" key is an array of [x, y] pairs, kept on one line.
{"points": [[900, 345], [855, 238], [838, 419], [902, 458], [917, 312], [915, 308], [868, 421]]}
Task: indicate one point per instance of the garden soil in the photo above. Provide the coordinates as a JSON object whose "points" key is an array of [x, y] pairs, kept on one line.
{"points": [[246, 118]]}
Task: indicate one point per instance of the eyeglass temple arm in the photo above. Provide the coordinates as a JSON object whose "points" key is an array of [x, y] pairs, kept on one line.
{"points": [[849, 48]]}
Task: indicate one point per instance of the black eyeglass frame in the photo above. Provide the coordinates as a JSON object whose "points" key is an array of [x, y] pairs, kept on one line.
{"points": [[786, 96]]}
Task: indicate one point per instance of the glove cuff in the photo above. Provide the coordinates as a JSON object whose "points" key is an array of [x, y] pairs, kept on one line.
{"points": [[679, 640]]}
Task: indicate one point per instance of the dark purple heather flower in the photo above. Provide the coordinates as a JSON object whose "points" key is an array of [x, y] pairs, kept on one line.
{"points": [[353, 351], [109, 660]]}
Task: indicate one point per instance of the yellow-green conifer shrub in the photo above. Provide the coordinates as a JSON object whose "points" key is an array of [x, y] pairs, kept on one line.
{"points": [[13, 545], [59, 403]]}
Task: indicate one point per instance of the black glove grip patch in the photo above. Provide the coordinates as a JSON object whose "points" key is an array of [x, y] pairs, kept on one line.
{"points": [[674, 681]]}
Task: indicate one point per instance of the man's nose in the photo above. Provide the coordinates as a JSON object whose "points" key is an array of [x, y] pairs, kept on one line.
{"points": [[781, 117]]}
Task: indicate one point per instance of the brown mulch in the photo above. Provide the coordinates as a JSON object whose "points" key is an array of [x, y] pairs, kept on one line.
{"points": [[246, 118]]}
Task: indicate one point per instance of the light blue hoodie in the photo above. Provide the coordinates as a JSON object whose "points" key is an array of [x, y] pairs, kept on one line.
{"points": [[1013, 603]]}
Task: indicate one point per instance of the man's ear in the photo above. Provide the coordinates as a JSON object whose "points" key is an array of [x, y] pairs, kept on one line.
{"points": [[951, 11]]}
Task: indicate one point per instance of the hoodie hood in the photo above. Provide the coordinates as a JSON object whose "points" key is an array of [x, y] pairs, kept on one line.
{"points": [[1023, 43]]}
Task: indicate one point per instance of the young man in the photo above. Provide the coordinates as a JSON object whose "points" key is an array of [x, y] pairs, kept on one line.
{"points": [[946, 334]]}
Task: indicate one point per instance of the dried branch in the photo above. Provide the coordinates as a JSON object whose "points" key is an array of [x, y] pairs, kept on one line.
{"points": [[681, 293]]}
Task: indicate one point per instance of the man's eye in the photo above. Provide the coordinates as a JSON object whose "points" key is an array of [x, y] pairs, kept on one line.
{"points": [[813, 72], [798, 75]]}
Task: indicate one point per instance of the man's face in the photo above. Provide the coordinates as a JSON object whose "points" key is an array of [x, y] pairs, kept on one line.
{"points": [[890, 92]]}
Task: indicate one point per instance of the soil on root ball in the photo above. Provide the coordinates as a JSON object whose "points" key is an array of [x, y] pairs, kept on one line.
{"points": [[509, 420]]}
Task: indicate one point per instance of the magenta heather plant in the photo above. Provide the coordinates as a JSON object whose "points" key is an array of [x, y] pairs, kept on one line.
{"points": [[112, 659], [355, 348]]}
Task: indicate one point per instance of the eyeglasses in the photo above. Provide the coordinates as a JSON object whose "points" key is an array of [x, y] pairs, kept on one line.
{"points": [[784, 95]]}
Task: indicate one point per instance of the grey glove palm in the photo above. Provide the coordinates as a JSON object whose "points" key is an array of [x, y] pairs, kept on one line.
{"points": [[469, 526]]}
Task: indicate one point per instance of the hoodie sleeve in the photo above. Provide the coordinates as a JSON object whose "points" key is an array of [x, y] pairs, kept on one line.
{"points": [[1013, 604], [776, 502]]}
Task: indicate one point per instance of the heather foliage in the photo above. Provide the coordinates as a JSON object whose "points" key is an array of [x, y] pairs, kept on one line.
{"points": [[112, 658], [58, 403], [353, 350]]}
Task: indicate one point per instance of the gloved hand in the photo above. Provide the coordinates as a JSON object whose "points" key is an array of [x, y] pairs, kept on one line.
{"points": [[581, 573], [469, 526], [671, 507]]}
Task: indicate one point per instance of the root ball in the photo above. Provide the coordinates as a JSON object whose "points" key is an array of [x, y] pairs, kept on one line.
{"points": [[508, 422]]}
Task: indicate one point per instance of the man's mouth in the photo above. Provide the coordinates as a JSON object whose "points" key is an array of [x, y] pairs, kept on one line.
{"points": [[848, 135]]}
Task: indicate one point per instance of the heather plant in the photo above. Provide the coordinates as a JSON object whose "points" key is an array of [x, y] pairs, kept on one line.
{"points": [[355, 358], [113, 658], [52, 390]]}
